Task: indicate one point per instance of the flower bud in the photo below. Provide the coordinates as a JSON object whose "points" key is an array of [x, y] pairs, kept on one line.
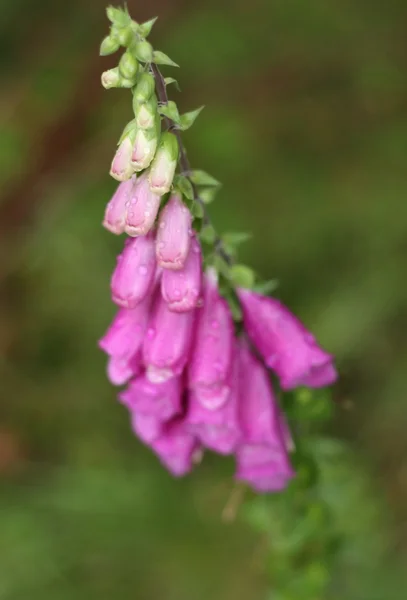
{"points": [[144, 149], [121, 168], [181, 289], [146, 113], [108, 46], [161, 400], [123, 34], [128, 65], [144, 51], [212, 357], [142, 208], [287, 347], [111, 78], [144, 89], [164, 164], [174, 234], [133, 277], [176, 448], [167, 344], [116, 210]]}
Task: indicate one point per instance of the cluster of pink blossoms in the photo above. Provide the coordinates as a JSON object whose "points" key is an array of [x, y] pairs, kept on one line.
{"points": [[192, 383]]}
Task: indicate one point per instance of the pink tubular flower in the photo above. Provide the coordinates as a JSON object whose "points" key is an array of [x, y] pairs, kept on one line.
{"points": [[142, 208], [148, 428], [116, 210], [177, 448], [121, 168], [133, 277], [144, 148], [262, 456], [164, 164], [181, 289], [218, 429], [161, 400], [211, 361], [168, 342], [174, 234], [123, 341], [287, 347]]}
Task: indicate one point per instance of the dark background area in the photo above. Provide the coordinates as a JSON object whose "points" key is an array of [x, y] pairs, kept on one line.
{"points": [[306, 126]]}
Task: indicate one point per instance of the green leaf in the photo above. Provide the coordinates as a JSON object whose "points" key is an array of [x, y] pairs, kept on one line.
{"points": [[197, 210], [189, 118], [266, 287], [170, 111], [183, 184], [108, 46], [118, 16], [145, 28], [207, 195], [242, 276], [169, 80], [235, 238], [203, 178], [208, 234], [159, 58]]}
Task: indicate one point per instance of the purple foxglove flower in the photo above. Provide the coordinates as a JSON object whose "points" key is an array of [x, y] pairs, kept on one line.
{"points": [[174, 234], [264, 469], [147, 427], [161, 400], [133, 277], [121, 168], [123, 341], [218, 429], [144, 149], [142, 208], [177, 448], [164, 164], [168, 341], [212, 357], [287, 347], [181, 289], [116, 210]]}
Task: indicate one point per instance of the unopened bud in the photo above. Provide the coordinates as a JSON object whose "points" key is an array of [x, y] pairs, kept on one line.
{"points": [[111, 78], [144, 51], [108, 46], [146, 113], [128, 65], [144, 90], [163, 166], [144, 149], [123, 35], [121, 168]]}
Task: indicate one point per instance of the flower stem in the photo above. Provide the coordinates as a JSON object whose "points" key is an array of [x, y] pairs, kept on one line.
{"points": [[184, 162]]}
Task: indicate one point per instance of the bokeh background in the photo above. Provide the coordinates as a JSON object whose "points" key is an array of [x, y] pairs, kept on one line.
{"points": [[306, 126]]}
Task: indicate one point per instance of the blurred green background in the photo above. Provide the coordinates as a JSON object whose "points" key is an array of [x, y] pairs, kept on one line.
{"points": [[306, 126]]}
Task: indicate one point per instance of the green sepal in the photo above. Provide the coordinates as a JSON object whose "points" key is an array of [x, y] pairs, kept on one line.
{"points": [[169, 143], [189, 118], [118, 16], [170, 111], [208, 234], [183, 185], [266, 287], [202, 178], [108, 46], [208, 194], [144, 29], [143, 51], [169, 80], [130, 129], [128, 65], [197, 210], [159, 58], [242, 276]]}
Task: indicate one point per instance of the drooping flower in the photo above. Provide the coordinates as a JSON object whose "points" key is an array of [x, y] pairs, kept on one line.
{"points": [[161, 400], [164, 164], [173, 234], [116, 210], [147, 428], [121, 168], [262, 456], [144, 148], [133, 277], [177, 448], [123, 342], [167, 344], [142, 208], [181, 289], [287, 347], [211, 362]]}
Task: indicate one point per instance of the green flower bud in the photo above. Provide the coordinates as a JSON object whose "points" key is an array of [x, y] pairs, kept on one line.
{"points": [[123, 35], [118, 16], [144, 51], [108, 46], [144, 90], [146, 113], [164, 164], [128, 65], [111, 78]]}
